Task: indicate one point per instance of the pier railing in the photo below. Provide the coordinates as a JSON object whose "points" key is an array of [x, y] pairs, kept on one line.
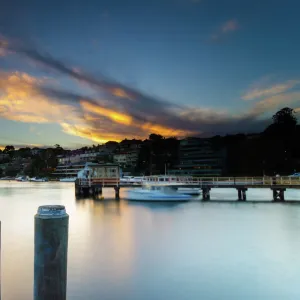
{"points": [[88, 182], [248, 181], [226, 181], [199, 181]]}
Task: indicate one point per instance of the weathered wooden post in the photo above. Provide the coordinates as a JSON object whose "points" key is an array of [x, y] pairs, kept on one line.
{"points": [[50, 252]]}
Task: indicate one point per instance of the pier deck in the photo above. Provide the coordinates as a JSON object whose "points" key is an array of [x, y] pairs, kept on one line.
{"points": [[278, 185]]}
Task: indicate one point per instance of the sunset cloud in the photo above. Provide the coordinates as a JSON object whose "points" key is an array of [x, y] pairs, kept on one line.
{"points": [[275, 102], [116, 110], [260, 92]]}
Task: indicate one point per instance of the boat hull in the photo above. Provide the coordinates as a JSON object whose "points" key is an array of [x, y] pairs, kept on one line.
{"points": [[141, 195], [189, 191]]}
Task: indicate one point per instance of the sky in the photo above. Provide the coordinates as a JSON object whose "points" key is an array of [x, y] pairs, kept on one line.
{"points": [[79, 73]]}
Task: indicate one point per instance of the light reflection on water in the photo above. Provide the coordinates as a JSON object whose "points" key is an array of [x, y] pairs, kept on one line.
{"points": [[132, 250]]}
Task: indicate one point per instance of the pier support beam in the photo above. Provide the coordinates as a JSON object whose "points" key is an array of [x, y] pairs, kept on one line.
{"points": [[206, 193], [100, 191], [242, 194], [117, 190], [278, 194]]}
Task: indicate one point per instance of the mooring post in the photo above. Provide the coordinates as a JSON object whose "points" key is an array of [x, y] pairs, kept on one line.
{"points": [[117, 190], [51, 225]]}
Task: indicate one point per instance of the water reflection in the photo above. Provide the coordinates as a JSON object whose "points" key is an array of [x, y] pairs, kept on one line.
{"points": [[157, 206], [134, 250]]}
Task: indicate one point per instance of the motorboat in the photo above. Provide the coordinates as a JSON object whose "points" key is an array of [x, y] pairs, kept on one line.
{"points": [[36, 179], [22, 178], [189, 191], [161, 193], [176, 183], [7, 178], [68, 179]]}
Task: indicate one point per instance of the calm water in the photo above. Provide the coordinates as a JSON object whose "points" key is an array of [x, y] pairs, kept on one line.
{"points": [[122, 250]]}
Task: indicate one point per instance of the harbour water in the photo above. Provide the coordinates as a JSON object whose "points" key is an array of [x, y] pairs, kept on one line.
{"points": [[131, 250]]}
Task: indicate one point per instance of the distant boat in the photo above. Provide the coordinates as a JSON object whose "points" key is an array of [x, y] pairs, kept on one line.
{"points": [[174, 182], [7, 178], [159, 193], [35, 179], [68, 179], [22, 178]]}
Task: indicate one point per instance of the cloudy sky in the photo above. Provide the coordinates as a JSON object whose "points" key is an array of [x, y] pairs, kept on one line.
{"points": [[85, 72]]}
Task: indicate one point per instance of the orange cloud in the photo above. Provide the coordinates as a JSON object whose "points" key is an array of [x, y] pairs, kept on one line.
{"points": [[21, 100], [163, 130], [121, 93], [94, 134], [108, 113]]}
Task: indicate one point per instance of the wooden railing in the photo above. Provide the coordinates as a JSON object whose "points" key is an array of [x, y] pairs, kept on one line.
{"points": [[98, 181], [203, 181], [255, 181], [219, 181]]}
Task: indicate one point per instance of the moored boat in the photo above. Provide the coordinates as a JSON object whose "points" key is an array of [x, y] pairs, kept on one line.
{"points": [[22, 178], [36, 179], [68, 179], [156, 193], [175, 182]]}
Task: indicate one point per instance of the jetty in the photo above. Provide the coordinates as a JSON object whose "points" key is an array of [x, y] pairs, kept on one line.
{"points": [[96, 177]]}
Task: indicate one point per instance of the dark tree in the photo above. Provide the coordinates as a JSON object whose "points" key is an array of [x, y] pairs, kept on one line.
{"points": [[155, 137], [8, 149], [286, 116]]}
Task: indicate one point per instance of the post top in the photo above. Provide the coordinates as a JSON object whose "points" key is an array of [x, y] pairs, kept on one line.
{"points": [[51, 210]]}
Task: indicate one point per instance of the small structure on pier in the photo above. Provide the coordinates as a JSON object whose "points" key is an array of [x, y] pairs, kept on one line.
{"points": [[94, 177]]}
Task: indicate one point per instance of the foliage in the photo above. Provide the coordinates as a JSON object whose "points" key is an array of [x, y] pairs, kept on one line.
{"points": [[286, 116], [8, 149]]}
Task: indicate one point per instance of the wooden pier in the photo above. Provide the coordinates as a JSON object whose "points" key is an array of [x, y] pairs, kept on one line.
{"points": [[278, 185]]}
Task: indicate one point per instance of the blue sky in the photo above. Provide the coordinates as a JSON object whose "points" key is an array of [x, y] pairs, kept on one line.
{"points": [[205, 56]]}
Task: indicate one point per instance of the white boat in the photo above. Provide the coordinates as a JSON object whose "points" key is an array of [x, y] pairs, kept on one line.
{"points": [[189, 191], [175, 181], [22, 178], [158, 193], [34, 179], [68, 179]]}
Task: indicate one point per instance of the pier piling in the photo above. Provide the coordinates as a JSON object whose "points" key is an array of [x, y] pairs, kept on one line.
{"points": [[206, 193], [50, 252], [278, 194], [117, 194], [242, 194]]}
